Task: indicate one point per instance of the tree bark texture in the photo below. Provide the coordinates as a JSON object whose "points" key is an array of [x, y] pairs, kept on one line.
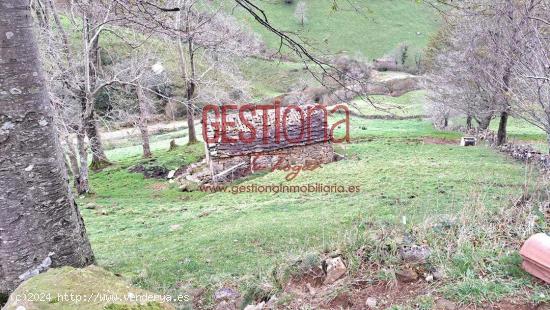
{"points": [[503, 124], [40, 225], [143, 123], [484, 122], [99, 158]]}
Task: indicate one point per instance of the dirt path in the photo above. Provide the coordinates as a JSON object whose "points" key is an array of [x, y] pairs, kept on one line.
{"points": [[153, 129]]}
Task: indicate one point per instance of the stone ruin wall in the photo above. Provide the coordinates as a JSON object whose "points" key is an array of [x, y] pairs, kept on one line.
{"points": [[319, 153], [230, 161]]}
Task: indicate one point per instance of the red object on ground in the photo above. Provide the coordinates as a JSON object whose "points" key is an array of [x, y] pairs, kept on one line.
{"points": [[536, 256]]}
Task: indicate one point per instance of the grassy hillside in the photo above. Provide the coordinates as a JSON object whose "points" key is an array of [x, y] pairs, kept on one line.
{"points": [[170, 241], [371, 28]]}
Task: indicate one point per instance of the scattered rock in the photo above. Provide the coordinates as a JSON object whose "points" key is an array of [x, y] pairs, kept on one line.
{"points": [[196, 293], [335, 269], [444, 304], [171, 174], [188, 186], [150, 172], [415, 254], [175, 227], [90, 206], [198, 173], [227, 305], [429, 278], [226, 294], [339, 157], [406, 275], [371, 302], [259, 306], [272, 303]]}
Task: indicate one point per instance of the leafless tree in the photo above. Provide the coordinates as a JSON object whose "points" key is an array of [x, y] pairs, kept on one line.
{"points": [[486, 38], [530, 83]]}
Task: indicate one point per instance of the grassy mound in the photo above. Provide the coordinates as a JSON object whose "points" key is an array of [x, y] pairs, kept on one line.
{"points": [[90, 288]]}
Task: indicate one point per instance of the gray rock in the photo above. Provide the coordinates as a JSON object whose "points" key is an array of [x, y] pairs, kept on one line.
{"points": [[406, 275], [259, 306], [90, 206], [188, 186], [272, 303], [371, 302], [415, 254], [429, 278], [226, 294], [335, 269]]}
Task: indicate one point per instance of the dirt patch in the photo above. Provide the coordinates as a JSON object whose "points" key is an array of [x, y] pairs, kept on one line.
{"points": [[159, 186], [388, 294], [440, 141], [353, 293], [307, 282]]}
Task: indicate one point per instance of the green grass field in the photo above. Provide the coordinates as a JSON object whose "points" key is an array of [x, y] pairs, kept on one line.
{"points": [[169, 241], [411, 103], [370, 28]]}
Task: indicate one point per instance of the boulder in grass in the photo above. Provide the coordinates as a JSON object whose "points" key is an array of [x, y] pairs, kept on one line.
{"points": [[89, 288]]}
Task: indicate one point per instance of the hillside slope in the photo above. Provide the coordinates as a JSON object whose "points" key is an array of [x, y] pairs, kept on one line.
{"points": [[370, 28]]}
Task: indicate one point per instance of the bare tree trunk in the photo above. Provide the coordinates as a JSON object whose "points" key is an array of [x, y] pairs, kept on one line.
{"points": [[188, 78], [143, 123], [91, 61], [64, 36], [503, 124], [502, 135], [99, 158], [191, 114], [39, 220], [41, 12], [170, 110], [191, 87], [83, 185], [73, 161], [469, 122], [484, 122]]}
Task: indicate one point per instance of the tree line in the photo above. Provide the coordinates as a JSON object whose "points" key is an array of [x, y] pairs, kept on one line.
{"points": [[490, 61]]}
